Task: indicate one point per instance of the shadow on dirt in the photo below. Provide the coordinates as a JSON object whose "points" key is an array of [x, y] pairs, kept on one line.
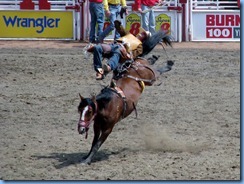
{"points": [[67, 159]]}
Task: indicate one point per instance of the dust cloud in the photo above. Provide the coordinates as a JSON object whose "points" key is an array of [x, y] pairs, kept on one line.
{"points": [[157, 138]]}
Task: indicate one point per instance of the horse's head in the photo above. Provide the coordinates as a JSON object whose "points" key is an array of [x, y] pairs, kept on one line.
{"points": [[87, 110]]}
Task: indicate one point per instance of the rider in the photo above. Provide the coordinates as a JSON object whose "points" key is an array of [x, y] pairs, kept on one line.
{"points": [[114, 52], [133, 42], [127, 47]]}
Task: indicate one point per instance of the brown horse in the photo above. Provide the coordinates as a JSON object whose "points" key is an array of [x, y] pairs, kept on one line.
{"points": [[117, 101]]}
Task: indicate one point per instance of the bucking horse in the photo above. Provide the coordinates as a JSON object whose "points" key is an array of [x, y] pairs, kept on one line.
{"points": [[119, 99]]}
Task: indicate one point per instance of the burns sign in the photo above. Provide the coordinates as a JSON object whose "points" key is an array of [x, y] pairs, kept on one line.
{"points": [[222, 26], [211, 26]]}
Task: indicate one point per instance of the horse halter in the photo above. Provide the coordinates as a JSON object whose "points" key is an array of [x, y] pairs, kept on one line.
{"points": [[84, 125]]}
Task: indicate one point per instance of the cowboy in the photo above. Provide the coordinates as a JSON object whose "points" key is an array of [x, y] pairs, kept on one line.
{"points": [[115, 52], [134, 43], [128, 47]]}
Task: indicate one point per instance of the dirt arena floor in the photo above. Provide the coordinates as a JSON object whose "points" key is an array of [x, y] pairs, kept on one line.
{"points": [[188, 124]]}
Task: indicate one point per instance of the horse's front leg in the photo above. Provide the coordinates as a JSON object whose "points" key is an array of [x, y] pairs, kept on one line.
{"points": [[97, 132], [96, 146]]}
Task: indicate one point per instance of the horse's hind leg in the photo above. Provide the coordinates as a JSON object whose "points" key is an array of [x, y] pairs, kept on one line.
{"points": [[166, 68], [152, 59]]}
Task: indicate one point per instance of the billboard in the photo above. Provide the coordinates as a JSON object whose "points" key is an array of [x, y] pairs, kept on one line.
{"points": [[222, 26], [36, 24], [165, 20]]}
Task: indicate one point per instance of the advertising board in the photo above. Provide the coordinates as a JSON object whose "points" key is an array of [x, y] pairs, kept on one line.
{"points": [[36, 24], [220, 26], [163, 20]]}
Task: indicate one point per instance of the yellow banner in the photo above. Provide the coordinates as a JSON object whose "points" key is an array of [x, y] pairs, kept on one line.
{"points": [[36, 24], [133, 23], [163, 22]]}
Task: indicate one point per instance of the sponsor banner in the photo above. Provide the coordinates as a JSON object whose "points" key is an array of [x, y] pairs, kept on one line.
{"points": [[167, 20], [36, 24], [163, 20], [133, 23], [216, 26]]}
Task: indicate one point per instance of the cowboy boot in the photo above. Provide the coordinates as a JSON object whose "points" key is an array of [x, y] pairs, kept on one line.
{"points": [[119, 28], [106, 69], [100, 74]]}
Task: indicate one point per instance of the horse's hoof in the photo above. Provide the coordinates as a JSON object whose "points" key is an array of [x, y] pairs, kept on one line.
{"points": [[170, 62], [82, 163], [156, 57], [85, 162]]}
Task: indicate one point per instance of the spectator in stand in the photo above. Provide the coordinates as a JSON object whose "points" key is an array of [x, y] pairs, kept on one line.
{"points": [[112, 9], [97, 17], [147, 13]]}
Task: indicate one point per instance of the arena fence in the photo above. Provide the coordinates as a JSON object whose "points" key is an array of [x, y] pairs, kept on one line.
{"points": [[168, 16], [186, 20]]}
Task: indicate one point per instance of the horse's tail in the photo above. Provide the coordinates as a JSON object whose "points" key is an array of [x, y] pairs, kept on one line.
{"points": [[166, 68], [149, 44]]}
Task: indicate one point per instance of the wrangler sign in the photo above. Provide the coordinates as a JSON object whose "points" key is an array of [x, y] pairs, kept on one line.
{"points": [[36, 24]]}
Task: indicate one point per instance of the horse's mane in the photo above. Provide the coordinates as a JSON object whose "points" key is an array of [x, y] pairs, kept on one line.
{"points": [[149, 44], [104, 97]]}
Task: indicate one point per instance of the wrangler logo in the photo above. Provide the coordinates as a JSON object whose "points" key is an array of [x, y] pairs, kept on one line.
{"points": [[39, 23]]}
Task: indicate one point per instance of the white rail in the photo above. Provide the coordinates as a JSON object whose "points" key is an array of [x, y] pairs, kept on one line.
{"points": [[214, 5], [15, 4]]}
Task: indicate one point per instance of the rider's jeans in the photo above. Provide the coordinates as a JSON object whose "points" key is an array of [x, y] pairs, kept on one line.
{"points": [[113, 56], [97, 57], [114, 10], [113, 61]]}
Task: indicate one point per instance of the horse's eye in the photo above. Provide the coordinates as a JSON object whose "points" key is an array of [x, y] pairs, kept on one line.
{"points": [[89, 112], [80, 109]]}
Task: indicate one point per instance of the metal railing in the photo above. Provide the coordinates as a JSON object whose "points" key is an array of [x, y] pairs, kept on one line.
{"points": [[15, 4], [163, 5], [215, 5]]}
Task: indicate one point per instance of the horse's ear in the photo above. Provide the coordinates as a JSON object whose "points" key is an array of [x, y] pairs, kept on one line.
{"points": [[81, 97], [93, 98]]}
